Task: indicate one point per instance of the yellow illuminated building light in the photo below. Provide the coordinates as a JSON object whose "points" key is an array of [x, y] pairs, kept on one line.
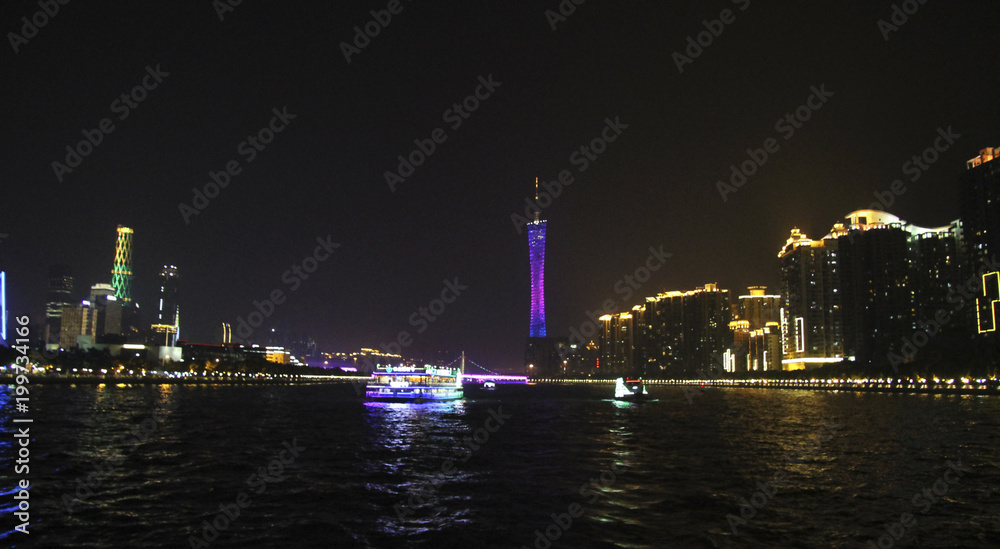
{"points": [[991, 295]]}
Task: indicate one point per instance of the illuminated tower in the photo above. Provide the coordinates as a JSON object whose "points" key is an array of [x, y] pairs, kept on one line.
{"points": [[3, 307], [536, 254], [121, 273]]}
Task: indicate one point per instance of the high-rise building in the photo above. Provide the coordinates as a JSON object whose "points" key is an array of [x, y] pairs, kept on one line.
{"points": [[759, 308], [979, 205], [121, 272], [168, 316], [862, 290], [617, 345], [664, 315], [757, 315], [893, 275], [764, 349], [811, 313], [875, 289], [109, 311], [707, 314], [683, 333], [79, 325], [57, 297]]}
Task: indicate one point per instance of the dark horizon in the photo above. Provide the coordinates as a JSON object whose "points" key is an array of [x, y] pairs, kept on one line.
{"points": [[539, 94]]}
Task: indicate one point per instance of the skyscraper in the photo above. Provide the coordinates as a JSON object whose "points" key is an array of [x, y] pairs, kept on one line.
{"points": [[617, 345], [979, 204], [755, 328], [168, 316], [536, 255], [79, 325], [109, 312], [121, 272], [683, 333], [862, 291], [58, 296], [893, 276], [811, 314]]}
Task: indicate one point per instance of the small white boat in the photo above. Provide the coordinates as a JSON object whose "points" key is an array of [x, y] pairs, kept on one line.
{"points": [[630, 389]]}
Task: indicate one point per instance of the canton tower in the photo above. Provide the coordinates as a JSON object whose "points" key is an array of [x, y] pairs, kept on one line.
{"points": [[536, 254]]}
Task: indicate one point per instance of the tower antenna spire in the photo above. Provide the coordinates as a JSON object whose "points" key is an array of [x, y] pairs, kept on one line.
{"points": [[537, 212]]}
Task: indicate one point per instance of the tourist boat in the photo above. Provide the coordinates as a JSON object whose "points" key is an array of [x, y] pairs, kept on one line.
{"points": [[414, 384], [630, 389]]}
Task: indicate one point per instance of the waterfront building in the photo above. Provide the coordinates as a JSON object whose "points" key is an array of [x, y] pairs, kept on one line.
{"points": [[59, 295], [168, 314], [979, 207], [862, 291], [617, 345], [109, 312], [683, 333], [764, 352], [810, 317], [79, 325]]}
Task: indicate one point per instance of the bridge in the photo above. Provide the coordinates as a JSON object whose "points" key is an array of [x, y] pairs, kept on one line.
{"points": [[482, 374]]}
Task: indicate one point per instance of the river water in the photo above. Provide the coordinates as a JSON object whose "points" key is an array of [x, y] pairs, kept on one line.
{"points": [[526, 466]]}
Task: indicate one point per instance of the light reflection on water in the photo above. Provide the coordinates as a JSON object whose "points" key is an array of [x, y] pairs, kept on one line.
{"points": [[679, 466]]}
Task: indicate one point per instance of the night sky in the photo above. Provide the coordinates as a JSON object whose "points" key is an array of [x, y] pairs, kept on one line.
{"points": [[323, 175]]}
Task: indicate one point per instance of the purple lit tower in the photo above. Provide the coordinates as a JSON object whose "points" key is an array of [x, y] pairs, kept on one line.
{"points": [[536, 253]]}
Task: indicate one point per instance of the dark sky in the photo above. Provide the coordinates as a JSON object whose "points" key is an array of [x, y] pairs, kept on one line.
{"points": [[655, 185]]}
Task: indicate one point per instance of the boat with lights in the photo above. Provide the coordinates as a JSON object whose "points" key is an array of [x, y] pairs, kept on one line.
{"points": [[633, 390], [414, 384]]}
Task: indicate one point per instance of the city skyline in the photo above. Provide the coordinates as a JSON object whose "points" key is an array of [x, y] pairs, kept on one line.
{"points": [[655, 149]]}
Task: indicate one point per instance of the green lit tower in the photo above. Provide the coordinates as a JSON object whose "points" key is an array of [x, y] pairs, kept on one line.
{"points": [[121, 273]]}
